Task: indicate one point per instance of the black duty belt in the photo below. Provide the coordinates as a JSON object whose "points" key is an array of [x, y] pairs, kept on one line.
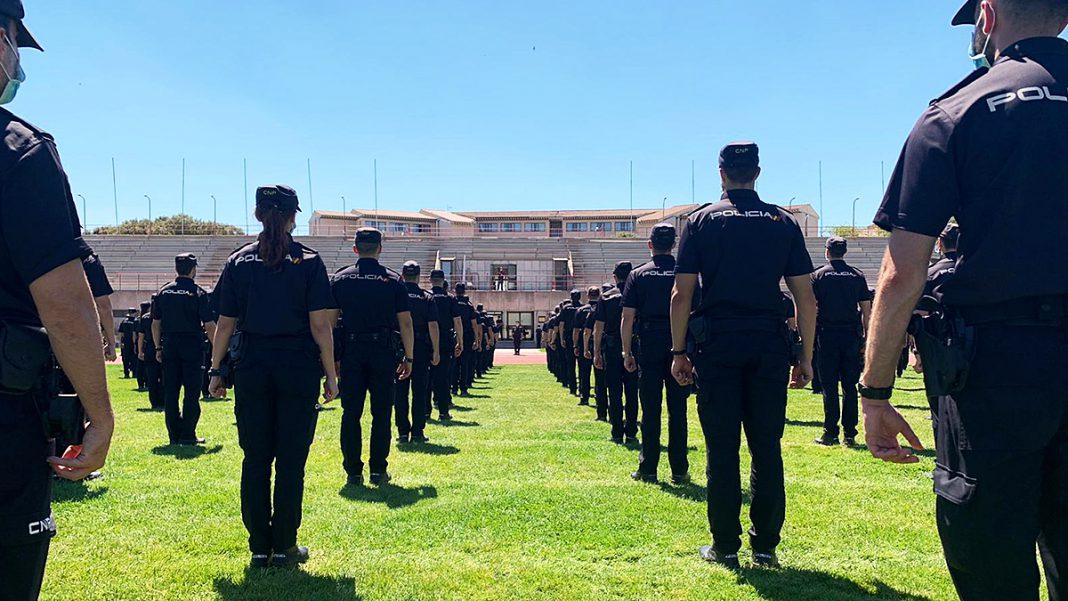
{"points": [[745, 324], [1036, 310], [380, 336], [654, 324]]}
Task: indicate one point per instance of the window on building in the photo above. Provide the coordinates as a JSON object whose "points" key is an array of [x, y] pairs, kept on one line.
{"points": [[537, 226], [487, 227], [624, 226], [510, 227], [397, 228], [578, 226], [601, 226]]}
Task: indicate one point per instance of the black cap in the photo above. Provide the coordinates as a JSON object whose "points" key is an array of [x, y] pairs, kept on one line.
{"points": [[368, 234], [478, 307], [460, 288], [605, 287], [185, 261], [131, 310], [966, 14], [576, 294], [623, 269], [437, 274], [950, 235], [740, 154], [278, 197], [15, 10], [837, 246], [145, 306], [410, 268], [662, 234]]}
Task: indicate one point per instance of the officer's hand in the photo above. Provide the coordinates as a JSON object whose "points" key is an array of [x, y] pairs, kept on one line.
{"points": [[459, 351], [598, 361], [404, 371], [682, 369], [630, 364], [95, 445], [109, 353], [802, 374], [159, 356], [216, 388], [330, 390], [589, 355], [435, 359], [141, 356], [577, 352], [882, 425]]}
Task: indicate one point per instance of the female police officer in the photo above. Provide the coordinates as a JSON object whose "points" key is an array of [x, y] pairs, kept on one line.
{"points": [[276, 294]]}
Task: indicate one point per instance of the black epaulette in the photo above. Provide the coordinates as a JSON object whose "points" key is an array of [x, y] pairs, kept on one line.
{"points": [[241, 248], [974, 75], [697, 209], [309, 253]]}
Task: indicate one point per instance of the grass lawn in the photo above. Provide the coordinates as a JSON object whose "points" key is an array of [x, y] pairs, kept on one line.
{"points": [[521, 497]]}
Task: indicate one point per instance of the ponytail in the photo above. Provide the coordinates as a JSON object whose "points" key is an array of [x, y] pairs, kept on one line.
{"points": [[274, 239]]}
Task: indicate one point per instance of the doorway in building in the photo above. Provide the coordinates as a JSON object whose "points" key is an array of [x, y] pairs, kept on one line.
{"points": [[519, 318], [556, 229]]}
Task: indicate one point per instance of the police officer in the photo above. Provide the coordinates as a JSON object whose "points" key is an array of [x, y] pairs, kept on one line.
{"points": [[41, 283], [646, 309], [181, 317], [608, 354], [275, 293], [989, 152], [450, 344], [843, 305], [480, 356], [471, 336], [128, 337], [578, 345], [146, 354], [742, 248], [427, 354], [566, 343], [379, 350]]}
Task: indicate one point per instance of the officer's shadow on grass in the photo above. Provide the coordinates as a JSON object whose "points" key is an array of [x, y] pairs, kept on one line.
{"points": [[148, 410], [65, 491], [186, 451], [428, 448], [460, 409], [804, 423], [297, 585], [799, 585], [687, 492], [455, 423], [394, 497]]}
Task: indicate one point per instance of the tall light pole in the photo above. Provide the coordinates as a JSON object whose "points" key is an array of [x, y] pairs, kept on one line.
{"points": [[183, 187], [855, 216], [311, 195], [85, 216], [115, 191], [214, 216], [244, 163], [791, 201], [822, 216], [149, 213], [663, 208], [344, 208], [376, 189], [633, 220]]}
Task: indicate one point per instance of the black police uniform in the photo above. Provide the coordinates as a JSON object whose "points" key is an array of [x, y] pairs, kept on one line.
{"points": [[742, 248], [623, 416], [480, 357], [440, 374], [39, 231], [839, 289], [648, 292], [991, 152], [465, 369], [567, 354], [585, 366], [97, 277], [518, 333], [127, 344], [600, 383], [153, 369], [424, 311], [182, 309], [370, 296], [276, 379]]}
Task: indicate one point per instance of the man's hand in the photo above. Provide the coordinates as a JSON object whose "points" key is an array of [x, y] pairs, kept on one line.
{"points": [[459, 350], [576, 352], [598, 361], [589, 355], [159, 356], [404, 370], [682, 369], [630, 363], [882, 425], [216, 388], [95, 447], [436, 358], [141, 356], [109, 352], [330, 390], [802, 375]]}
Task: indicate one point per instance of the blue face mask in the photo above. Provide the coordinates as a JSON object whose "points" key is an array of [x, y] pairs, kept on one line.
{"points": [[13, 82], [978, 56]]}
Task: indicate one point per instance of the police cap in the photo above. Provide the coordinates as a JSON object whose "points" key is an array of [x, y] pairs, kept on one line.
{"points": [[131, 310], [837, 246], [605, 287], [461, 288], [282, 198], [145, 306], [410, 268], [15, 10], [576, 294], [479, 307], [740, 155], [623, 269], [966, 14], [662, 234], [950, 235], [368, 234], [437, 274], [185, 261]]}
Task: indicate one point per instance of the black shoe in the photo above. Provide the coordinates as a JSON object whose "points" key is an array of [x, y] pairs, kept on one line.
{"points": [[640, 477], [680, 479], [727, 560], [827, 441], [849, 441], [630, 440], [616, 440], [766, 560], [290, 557], [429, 415], [583, 403], [354, 480], [260, 561], [421, 439], [402, 439], [380, 479], [444, 417], [192, 441]]}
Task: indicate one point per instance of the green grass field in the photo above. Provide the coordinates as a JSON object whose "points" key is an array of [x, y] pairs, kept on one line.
{"points": [[522, 497]]}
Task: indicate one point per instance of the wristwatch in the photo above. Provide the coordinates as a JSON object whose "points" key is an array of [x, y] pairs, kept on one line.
{"points": [[407, 360], [678, 353], [875, 394], [214, 373]]}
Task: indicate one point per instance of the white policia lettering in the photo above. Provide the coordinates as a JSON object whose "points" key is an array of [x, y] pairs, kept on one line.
{"points": [[257, 259], [361, 276], [663, 273], [1027, 94], [177, 291], [735, 213]]}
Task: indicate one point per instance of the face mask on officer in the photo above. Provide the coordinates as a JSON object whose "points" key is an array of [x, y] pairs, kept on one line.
{"points": [[13, 80], [980, 52]]}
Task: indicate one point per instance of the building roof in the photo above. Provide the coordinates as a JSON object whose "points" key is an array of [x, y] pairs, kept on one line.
{"points": [[655, 217], [448, 216], [607, 214]]}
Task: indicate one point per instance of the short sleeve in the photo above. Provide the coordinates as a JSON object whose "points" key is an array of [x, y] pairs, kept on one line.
{"points": [[689, 260], [431, 310], [601, 314], [799, 262], [97, 277], [226, 293], [156, 312], [400, 297], [204, 308], [454, 307], [923, 193], [38, 220], [630, 292], [319, 294], [864, 293]]}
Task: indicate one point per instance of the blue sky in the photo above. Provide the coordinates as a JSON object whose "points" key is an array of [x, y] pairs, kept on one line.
{"points": [[483, 105]]}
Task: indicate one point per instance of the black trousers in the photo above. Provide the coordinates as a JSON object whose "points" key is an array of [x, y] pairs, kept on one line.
{"points": [[419, 386], [516, 345], [655, 363], [153, 379], [568, 365], [585, 368], [26, 524], [367, 368], [183, 371], [742, 379], [129, 360], [275, 392], [600, 393], [1001, 472], [440, 382], [839, 363], [620, 384]]}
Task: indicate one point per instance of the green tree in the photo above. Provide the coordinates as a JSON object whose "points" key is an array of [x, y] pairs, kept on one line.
{"points": [[172, 225]]}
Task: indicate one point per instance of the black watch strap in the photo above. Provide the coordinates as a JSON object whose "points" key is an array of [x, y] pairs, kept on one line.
{"points": [[875, 394], [678, 353], [214, 373]]}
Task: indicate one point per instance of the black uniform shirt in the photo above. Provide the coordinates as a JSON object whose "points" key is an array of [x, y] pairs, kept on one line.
{"points": [[648, 289], [273, 302], [467, 313], [369, 295], [742, 247], [144, 326], [992, 152], [838, 289], [567, 317], [447, 310], [39, 227], [582, 317], [182, 308], [424, 309], [610, 311], [939, 273], [97, 277], [128, 331]]}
